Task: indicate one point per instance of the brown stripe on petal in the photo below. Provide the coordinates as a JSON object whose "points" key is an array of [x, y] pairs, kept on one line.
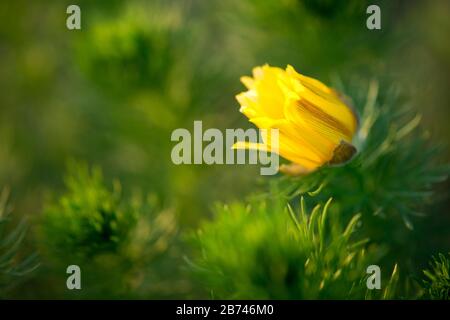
{"points": [[329, 120]]}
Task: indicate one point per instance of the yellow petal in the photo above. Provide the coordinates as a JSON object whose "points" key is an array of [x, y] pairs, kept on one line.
{"points": [[312, 119], [248, 82]]}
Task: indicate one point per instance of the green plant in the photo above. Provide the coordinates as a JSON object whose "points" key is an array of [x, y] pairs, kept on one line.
{"points": [[12, 265], [123, 245], [437, 282], [267, 251], [135, 50], [89, 219]]}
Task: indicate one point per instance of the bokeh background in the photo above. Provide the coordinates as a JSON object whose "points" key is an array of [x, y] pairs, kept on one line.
{"points": [[86, 118]]}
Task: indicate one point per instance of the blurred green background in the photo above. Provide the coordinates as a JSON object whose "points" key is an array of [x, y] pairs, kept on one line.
{"points": [[109, 95]]}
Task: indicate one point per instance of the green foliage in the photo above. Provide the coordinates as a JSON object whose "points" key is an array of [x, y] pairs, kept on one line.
{"points": [[437, 282], [89, 219], [12, 266], [134, 49], [267, 251], [108, 235]]}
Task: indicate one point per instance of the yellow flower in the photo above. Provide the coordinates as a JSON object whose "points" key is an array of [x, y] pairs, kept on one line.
{"points": [[315, 125]]}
